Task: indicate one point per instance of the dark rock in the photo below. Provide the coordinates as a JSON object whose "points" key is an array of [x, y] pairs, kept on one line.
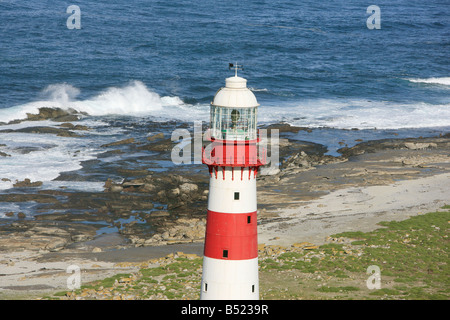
{"points": [[286, 127], [27, 183], [159, 146], [25, 197], [55, 114], [67, 125], [21, 215], [58, 131], [306, 161], [159, 213], [81, 237], [156, 137], [118, 143], [384, 144], [80, 127]]}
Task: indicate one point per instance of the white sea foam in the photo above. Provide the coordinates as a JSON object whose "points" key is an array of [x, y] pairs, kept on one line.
{"points": [[136, 99], [8, 207], [360, 114], [442, 80], [26, 208], [62, 93], [258, 90], [40, 157], [86, 186], [43, 157], [133, 99]]}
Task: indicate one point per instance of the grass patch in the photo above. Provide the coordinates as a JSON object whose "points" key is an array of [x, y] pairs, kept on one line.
{"points": [[108, 282], [351, 235], [337, 289], [413, 253], [153, 272], [385, 291]]}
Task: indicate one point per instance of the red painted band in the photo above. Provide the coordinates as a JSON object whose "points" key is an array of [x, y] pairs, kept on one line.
{"points": [[231, 236], [234, 155]]}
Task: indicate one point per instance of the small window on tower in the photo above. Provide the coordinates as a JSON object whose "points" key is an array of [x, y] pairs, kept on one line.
{"points": [[205, 287], [225, 254], [253, 288], [249, 219], [236, 196]]}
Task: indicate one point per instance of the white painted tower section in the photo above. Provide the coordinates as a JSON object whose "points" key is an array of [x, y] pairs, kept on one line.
{"points": [[231, 279], [221, 192]]}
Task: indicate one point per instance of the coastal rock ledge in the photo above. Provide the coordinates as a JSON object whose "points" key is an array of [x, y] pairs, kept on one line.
{"points": [[180, 231]]}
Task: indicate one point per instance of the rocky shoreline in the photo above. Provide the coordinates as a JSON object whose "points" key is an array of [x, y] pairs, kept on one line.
{"points": [[158, 208]]}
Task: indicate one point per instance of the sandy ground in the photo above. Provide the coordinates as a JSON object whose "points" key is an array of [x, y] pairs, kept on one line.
{"points": [[356, 209], [30, 275]]}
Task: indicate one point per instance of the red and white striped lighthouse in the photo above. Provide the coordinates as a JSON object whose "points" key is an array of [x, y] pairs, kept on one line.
{"points": [[230, 264]]}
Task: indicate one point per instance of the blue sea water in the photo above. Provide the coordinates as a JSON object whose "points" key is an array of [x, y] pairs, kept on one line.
{"points": [[307, 58], [310, 63]]}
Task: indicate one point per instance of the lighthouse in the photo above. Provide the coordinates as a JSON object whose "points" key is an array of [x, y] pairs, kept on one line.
{"points": [[230, 263]]}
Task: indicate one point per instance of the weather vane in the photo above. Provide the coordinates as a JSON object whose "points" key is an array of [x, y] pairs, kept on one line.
{"points": [[236, 67]]}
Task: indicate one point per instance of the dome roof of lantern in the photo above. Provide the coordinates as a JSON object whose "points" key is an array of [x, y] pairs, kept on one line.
{"points": [[235, 94]]}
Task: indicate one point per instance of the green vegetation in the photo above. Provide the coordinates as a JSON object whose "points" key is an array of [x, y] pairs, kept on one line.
{"points": [[412, 256], [337, 289]]}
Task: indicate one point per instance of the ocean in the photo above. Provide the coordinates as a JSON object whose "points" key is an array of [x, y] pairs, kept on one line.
{"points": [[311, 64]]}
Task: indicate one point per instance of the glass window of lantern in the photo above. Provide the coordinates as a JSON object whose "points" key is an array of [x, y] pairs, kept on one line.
{"points": [[233, 123]]}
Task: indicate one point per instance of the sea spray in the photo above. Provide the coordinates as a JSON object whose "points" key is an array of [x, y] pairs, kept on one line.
{"points": [[134, 99], [62, 93]]}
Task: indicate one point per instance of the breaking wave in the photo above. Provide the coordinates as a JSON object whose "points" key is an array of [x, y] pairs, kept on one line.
{"points": [[442, 80], [133, 99], [360, 114]]}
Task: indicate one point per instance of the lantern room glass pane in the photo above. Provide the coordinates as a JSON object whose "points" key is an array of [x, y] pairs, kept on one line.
{"points": [[233, 123]]}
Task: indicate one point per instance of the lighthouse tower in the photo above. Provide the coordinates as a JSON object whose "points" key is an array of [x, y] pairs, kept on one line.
{"points": [[230, 264]]}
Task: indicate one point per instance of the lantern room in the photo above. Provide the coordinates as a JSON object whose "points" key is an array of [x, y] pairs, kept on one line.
{"points": [[234, 112]]}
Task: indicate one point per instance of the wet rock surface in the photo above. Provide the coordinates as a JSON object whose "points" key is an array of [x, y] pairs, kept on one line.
{"points": [[55, 114], [140, 198]]}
